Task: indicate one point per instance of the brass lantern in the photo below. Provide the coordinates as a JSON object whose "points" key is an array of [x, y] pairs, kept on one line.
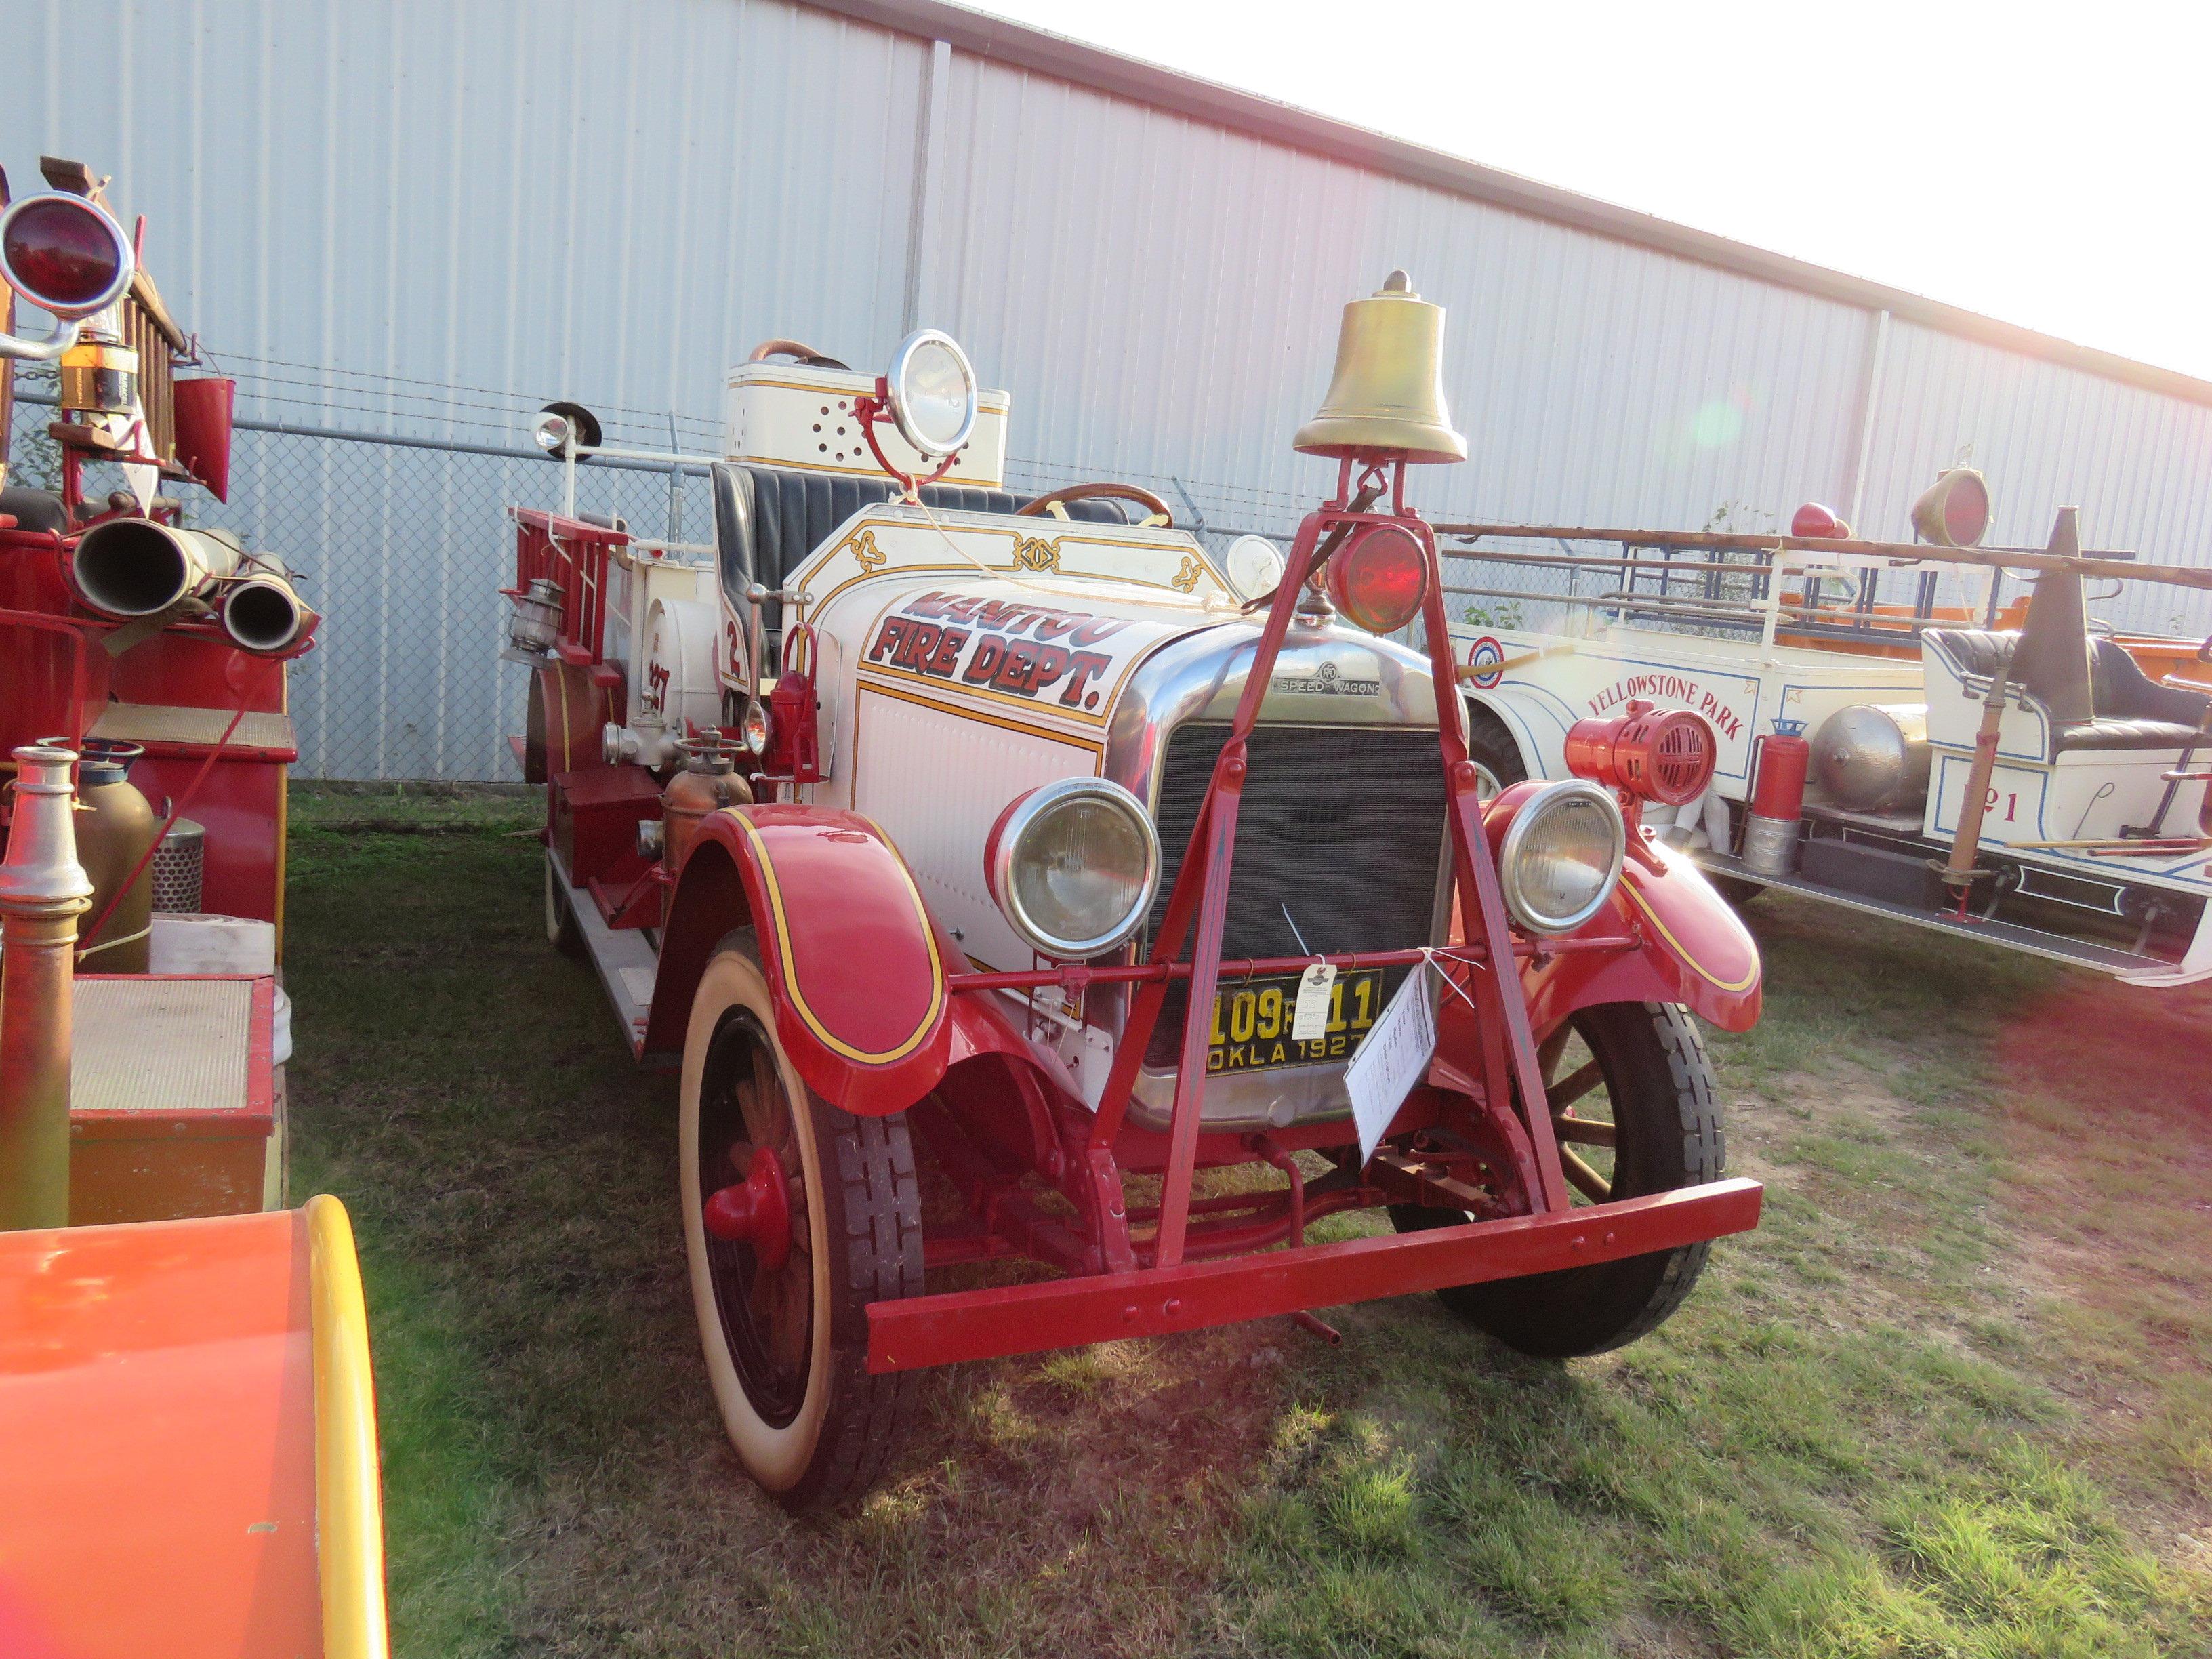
{"points": [[1386, 400]]}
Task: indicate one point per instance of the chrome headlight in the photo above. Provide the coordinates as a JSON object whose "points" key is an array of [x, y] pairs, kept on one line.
{"points": [[1561, 856], [1073, 865]]}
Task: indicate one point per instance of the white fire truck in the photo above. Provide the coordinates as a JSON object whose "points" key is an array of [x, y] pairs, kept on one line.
{"points": [[1896, 736]]}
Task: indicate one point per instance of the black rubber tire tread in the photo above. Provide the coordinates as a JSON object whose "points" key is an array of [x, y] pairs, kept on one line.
{"points": [[880, 1209], [1491, 744], [874, 1200], [1674, 1123], [566, 935]]}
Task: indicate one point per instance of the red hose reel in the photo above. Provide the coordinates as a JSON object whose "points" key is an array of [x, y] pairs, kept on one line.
{"points": [[1663, 757]]}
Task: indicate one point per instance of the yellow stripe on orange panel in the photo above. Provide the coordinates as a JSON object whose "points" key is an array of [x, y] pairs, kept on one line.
{"points": [[348, 1499]]}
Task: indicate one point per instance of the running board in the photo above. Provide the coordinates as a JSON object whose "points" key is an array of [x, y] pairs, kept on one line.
{"points": [[2055, 947], [627, 965]]}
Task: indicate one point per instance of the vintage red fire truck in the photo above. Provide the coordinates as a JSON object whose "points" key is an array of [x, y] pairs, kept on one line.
{"points": [[188, 1458], [1148, 899], [154, 656]]}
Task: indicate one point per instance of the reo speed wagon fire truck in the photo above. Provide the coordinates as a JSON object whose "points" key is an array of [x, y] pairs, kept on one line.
{"points": [[1146, 898]]}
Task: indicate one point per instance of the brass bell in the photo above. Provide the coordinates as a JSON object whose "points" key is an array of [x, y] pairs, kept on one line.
{"points": [[1386, 399]]}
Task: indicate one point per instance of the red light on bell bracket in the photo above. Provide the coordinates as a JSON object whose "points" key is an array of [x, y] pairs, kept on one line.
{"points": [[1665, 758], [1380, 578]]}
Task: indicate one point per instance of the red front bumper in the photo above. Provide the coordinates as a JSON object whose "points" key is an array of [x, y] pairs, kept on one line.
{"points": [[1066, 1313]]}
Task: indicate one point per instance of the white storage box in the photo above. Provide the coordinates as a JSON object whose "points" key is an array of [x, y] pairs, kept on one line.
{"points": [[788, 415]]}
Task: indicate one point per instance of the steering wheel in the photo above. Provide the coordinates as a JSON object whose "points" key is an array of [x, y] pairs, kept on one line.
{"points": [[1156, 508]]}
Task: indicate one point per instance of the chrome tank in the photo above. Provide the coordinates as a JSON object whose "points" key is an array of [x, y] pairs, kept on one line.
{"points": [[1873, 757], [1326, 676]]}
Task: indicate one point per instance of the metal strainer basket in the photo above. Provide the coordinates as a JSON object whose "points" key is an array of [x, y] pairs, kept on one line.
{"points": [[179, 862]]}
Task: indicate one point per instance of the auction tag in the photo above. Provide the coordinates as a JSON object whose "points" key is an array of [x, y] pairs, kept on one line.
{"points": [[1310, 1024], [1392, 1058]]}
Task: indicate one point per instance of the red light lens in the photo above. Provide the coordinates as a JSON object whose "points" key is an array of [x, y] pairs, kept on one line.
{"points": [[1380, 581], [57, 253], [1816, 522], [1967, 510]]}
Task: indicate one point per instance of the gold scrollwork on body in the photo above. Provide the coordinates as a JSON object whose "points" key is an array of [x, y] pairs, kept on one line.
{"points": [[1185, 579], [863, 547], [1035, 553]]}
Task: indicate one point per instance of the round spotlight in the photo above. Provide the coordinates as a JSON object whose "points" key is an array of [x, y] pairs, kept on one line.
{"points": [[1073, 866], [1955, 510], [64, 255], [1561, 856], [932, 393], [1255, 565], [561, 429]]}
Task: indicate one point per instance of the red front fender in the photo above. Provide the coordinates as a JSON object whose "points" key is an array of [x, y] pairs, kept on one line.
{"points": [[1695, 951], [854, 962]]}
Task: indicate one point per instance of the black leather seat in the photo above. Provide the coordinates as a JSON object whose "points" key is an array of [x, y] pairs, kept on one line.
{"points": [[1976, 651], [767, 519], [2130, 711], [2133, 710]]}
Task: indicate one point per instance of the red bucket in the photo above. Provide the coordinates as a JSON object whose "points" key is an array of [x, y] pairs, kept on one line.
{"points": [[202, 410]]}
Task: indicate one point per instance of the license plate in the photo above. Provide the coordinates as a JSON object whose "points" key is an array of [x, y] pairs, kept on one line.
{"points": [[1252, 1022]]}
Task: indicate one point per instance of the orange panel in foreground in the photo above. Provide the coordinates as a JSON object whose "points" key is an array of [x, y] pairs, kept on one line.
{"points": [[157, 1435]]}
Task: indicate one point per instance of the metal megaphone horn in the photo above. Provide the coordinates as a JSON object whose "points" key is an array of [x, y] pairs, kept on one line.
{"points": [[1386, 400]]}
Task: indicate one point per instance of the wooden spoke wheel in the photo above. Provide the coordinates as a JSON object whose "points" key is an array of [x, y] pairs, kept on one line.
{"points": [[1631, 1097], [796, 1216]]}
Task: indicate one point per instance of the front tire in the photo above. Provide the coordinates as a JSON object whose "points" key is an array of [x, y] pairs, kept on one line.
{"points": [[1497, 757], [787, 1348], [1635, 1073], [561, 931]]}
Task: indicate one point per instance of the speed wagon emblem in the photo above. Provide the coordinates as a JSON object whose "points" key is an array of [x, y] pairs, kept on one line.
{"points": [[1327, 681]]}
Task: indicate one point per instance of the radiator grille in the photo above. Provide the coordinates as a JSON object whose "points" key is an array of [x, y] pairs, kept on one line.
{"points": [[1344, 825]]}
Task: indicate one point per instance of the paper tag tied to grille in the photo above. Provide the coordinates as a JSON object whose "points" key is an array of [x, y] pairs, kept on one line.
{"points": [[1310, 1021]]}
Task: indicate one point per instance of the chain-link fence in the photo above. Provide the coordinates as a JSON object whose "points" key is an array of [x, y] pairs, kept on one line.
{"points": [[402, 542]]}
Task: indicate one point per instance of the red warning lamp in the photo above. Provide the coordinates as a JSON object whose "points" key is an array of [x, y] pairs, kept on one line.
{"points": [[63, 255], [1380, 578], [1814, 522], [1666, 758]]}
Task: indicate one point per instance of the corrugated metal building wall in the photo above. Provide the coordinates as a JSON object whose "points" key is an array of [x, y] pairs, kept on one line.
{"points": [[426, 219]]}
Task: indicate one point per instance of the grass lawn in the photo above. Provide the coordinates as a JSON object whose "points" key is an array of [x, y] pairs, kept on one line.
{"points": [[1954, 1398]]}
